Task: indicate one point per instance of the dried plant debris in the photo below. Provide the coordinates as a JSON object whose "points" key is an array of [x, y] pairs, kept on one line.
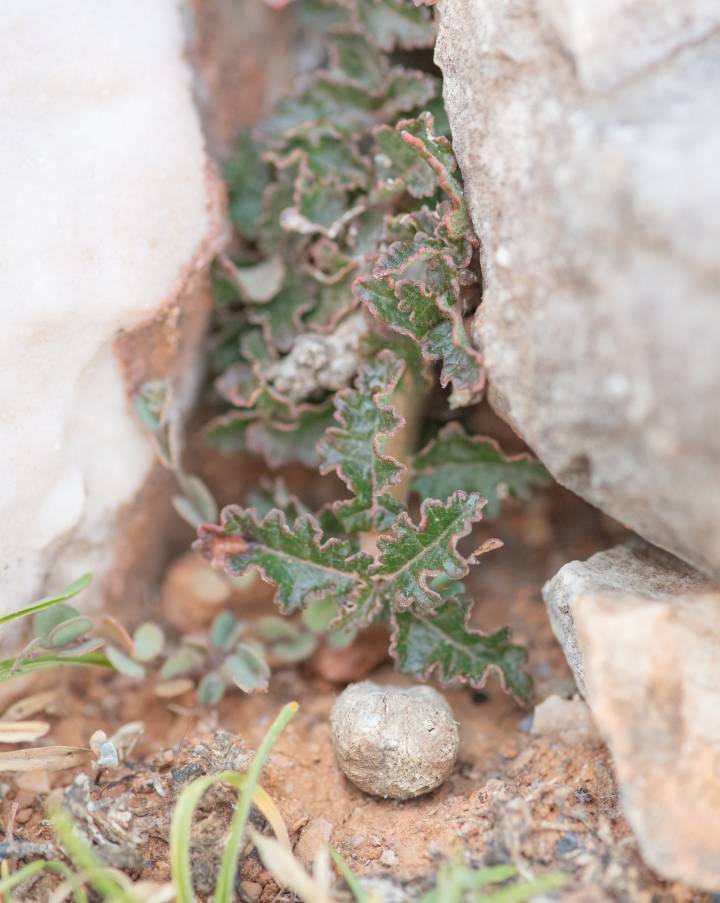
{"points": [[350, 282]]}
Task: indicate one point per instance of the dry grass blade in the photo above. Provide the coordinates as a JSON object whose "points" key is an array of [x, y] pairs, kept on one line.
{"points": [[288, 871], [31, 705], [47, 758], [22, 731]]}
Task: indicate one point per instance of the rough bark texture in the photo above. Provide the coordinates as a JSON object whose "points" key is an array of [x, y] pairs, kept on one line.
{"points": [[642, 633], [588, 135]]}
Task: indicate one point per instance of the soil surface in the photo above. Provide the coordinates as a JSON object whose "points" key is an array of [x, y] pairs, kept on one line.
{"points": [[545, 804]]}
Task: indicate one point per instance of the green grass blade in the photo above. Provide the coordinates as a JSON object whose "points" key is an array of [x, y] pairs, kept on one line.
{"points": [[76, 587], [40, 865], [87, 862], [519, 893], [228, 866], [356, 889], [181, 826], [94, 659], [477, 878]]}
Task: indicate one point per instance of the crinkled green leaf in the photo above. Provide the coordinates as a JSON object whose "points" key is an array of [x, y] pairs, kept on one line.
{"points": [[442, 644], [346, 106], [462, 365], [282, 442], [324, 154], [353, 57], [415, 310], [411, 554], [246, 176], [355, 448], [396, 162], [297, 560], [395, 23], [281, 317], [438, 153], [321, 207], [455, 460], [239, 384], [278, 432], [278, 196], [323, 15]]}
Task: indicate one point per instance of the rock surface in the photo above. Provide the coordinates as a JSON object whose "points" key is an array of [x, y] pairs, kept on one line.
{"points": [[647, 637], [397, 742], [110, 216], [569, 720], [588, 135]]}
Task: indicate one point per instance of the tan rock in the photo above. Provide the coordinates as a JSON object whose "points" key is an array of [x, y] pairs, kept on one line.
{"points": [[650, 652], [569, 720], [315, 837]]}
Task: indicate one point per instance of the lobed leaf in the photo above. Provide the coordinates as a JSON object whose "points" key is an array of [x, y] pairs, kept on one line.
{"points": [[395, 23], [455, 460], [442, 643], [437, 151], [355, 448], [411, 554], [295, 559]]}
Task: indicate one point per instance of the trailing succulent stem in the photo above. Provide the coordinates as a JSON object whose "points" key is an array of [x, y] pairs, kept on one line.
{"points": [[349, 287]]}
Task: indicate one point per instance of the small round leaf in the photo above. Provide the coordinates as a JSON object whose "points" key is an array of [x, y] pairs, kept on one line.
{"points": [[124, 664], [69, 631], [148, 641], [211, 689]]}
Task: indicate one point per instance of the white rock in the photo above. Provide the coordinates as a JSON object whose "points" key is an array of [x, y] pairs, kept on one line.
{"points": [[588, 134], [397, 742], [648, 637], [109, 216]]}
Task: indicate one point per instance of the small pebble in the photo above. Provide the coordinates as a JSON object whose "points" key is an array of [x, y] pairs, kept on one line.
{"points": [[389, 857], [397, 742]]}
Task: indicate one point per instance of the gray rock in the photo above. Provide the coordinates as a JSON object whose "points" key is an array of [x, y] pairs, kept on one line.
{"points": [[647, 635], [634, 567], [588, 136], [397, 742]]}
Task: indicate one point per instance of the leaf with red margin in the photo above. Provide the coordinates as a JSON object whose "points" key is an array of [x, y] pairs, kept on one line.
{"points": [[355, 448], [455, 460], [296, 559], [412, 554], [443, 645]]}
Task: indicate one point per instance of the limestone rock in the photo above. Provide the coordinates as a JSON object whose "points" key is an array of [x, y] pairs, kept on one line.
{"points": [[588, 135], [397, 742], [569, 720], [634, 567], [111, 213], [648, 636]]}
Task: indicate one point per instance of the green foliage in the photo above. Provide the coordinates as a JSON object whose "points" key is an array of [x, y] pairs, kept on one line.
{"points": [[359, 230], [61, 635], [455, 460]]}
